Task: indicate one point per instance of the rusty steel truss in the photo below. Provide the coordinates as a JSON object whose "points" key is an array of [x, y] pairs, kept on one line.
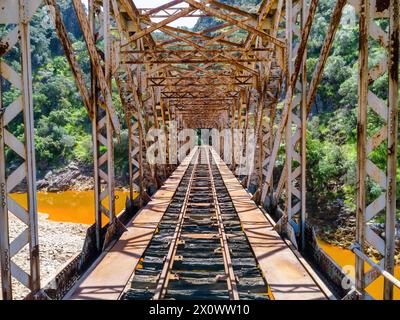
{"points": [[208, 78]]}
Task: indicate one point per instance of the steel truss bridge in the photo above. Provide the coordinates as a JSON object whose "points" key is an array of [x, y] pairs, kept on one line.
{"points": [[209, 78]]}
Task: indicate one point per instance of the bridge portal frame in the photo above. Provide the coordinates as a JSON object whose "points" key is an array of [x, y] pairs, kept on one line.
{"points": [[124, 64]]}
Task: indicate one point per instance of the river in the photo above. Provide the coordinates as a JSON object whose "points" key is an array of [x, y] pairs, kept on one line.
{"points": [[346, 258], [70, 206]]}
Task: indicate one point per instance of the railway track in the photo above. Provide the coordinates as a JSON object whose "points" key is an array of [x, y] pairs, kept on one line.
{"points": [[199, 250]]}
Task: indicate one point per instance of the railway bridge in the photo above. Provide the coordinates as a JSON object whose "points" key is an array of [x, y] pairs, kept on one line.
{"points": [[198, 220]]}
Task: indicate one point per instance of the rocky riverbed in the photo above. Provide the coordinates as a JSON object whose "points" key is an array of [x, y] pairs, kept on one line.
{"points": [[71, 177], [340, 229], [79, 177], [59, 242]]}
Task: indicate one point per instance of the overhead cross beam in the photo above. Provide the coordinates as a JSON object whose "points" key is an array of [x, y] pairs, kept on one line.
{"points": [[212, 40], [194, 95], [155, 26], [200, 81], [242, 25]]}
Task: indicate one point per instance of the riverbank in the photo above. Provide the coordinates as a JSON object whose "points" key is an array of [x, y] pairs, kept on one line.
{"points": [[71, 206], [72, 177], [339, 229], [59, 242]]}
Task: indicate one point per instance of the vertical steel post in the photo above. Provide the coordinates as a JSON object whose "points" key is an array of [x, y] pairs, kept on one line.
{"points": [[295, 134], [362, 140], [233, 126], [94, 97], [4, 227], [110, 140], [303, 138], [103, 143], [270, 147], [130, 158], [392, 129], [26, 151], [125, 77], [137, 181], [288, 130], [110, 172], [272, 96], [30, 162], [165, 129]]}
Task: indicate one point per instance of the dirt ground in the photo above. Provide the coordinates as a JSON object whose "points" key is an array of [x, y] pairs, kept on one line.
{"points": [[58, 241]]}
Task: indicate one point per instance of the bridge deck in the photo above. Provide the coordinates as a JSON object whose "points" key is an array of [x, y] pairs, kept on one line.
{"points": [[285, 274]]}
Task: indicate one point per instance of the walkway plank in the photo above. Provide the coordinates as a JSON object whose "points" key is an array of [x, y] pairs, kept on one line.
{"points": [[286, 276], [108, 278]]}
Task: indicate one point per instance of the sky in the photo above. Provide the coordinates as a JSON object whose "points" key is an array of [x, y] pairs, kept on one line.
{"points": [[183, 22]]}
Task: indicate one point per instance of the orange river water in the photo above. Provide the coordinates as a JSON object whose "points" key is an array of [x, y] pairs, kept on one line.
{"points": [[70, 206], [78, 207], [344, 257]]}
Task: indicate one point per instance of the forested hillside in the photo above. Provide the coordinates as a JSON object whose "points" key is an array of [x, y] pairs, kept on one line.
{"points": [[63, 132], [62, 126]]}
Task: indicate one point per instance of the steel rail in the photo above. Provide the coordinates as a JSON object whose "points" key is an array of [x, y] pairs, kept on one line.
{"points": [[163, 281], [231, 279]]}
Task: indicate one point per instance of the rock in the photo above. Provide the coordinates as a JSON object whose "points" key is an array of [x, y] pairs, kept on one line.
{"points": [[73, 166], [48, 175], [53, 188], [41, 184]]}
